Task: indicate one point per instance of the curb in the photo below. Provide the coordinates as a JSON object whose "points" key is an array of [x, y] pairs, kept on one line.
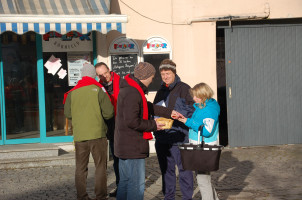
{"points": [[66, 159]]}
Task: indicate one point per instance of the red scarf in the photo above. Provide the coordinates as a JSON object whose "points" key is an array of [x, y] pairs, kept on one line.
{"points": [[115, 78], [131, 82], [85, 81]]}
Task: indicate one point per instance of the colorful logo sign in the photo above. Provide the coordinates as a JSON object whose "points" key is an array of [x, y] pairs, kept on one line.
{"points": [[123, 46], [156, 46]]}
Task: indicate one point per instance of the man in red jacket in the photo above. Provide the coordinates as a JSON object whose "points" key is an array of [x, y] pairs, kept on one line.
{"points": [[111, 82]]}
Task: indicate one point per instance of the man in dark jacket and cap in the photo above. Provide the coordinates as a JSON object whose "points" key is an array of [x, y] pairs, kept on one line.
{"points": [[133, 130], [174, 94]]}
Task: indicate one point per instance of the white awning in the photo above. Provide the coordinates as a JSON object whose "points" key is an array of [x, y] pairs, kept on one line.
{"points": [[62, 16]]}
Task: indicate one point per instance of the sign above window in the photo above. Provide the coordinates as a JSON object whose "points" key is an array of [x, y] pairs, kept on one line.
{"points": [[70, 42], [123, 45], [156, 45]]}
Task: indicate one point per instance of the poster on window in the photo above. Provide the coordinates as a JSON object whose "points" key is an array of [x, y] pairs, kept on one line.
{"points": [[75, 63]]}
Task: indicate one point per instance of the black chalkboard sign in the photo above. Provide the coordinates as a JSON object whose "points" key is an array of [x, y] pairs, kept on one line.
{"points": [[155, 60], [123, 64]]}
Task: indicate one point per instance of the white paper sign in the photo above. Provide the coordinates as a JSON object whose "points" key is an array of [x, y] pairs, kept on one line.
{"points": [[75, 64], [53, 64], [62, 73]]}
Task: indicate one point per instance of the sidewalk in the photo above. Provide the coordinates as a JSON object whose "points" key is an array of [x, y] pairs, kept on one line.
{"points": [[271, 172]]}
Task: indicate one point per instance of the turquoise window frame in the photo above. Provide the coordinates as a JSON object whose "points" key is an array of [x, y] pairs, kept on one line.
{"points": [[94, 48], [41, 89], [2, 97]]}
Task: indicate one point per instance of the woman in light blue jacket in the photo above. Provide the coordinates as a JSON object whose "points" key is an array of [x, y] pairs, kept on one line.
{"points": [[206, 114]]}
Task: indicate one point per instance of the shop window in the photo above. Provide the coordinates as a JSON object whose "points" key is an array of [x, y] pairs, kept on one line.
{"points": [[20, 85], [54, 93], [155, 60]]}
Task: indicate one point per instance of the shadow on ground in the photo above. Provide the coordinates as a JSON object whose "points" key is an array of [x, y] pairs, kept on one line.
{"points": [[231, 176]]}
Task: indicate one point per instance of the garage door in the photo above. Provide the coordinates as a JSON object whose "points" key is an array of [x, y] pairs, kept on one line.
{"points": [[264, 84]]}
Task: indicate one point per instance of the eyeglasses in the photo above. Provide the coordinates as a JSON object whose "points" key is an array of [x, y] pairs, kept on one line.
{"points": [[104, 74]]}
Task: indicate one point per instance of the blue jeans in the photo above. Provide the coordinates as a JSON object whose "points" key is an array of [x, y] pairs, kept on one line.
{"points": [[132, 179]]}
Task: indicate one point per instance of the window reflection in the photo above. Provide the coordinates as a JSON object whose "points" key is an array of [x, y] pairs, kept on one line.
{"points": [[20, 82], [155, 60]]}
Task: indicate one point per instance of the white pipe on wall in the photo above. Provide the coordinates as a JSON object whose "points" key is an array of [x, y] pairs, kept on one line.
{"points": [[229, 17]]}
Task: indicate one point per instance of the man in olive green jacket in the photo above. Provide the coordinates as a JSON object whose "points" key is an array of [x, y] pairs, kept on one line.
{"points": [[88, 104]]}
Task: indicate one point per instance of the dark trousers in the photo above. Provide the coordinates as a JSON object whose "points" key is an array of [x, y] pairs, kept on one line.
{"points": [[98, 150], [115, 162], [169, 156]]}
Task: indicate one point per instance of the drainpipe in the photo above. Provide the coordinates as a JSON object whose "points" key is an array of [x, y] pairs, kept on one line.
{"points": [[263, 15]]}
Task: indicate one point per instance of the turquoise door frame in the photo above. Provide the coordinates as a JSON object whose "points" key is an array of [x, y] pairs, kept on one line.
{"points": [[41, 92], [41, 89], [94, 48], [1, 95]]}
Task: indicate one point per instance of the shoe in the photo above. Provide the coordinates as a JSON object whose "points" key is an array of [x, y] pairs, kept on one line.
{"points": [[87, 198], [113, 193]]}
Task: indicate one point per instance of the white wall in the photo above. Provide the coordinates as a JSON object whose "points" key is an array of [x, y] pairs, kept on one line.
{"points": [[193, 45]]}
